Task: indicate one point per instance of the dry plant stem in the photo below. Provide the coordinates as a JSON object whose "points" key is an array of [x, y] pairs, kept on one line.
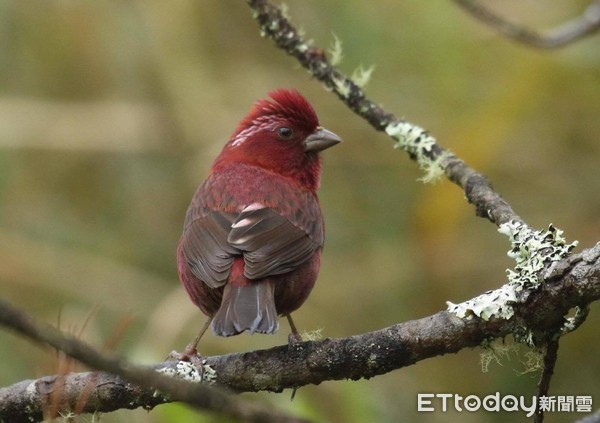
{"points": [[478, 189], [586, 24]]}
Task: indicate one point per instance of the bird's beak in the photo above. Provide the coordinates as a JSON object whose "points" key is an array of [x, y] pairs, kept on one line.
{"points": [[320, 140]]}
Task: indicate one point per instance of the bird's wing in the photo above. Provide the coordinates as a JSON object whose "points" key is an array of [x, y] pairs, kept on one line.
{"points": [[206, 249], [272, 240], [271, 243]]}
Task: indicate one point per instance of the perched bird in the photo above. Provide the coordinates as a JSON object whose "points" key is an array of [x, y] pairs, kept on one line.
{"points": [[253, 233]]}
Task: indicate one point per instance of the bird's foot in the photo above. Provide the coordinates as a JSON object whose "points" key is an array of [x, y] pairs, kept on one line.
{"points": [[294, 338], [190, 354]]}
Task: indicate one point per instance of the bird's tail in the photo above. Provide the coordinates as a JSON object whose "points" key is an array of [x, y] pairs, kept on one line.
{"points": [[249, 307]]}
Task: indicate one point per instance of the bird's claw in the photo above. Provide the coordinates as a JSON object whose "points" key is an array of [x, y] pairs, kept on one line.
{"points": [[294, 338], [190, 354]]}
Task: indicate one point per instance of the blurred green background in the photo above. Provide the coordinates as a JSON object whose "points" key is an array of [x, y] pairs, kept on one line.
{"points": [[111, 113]]}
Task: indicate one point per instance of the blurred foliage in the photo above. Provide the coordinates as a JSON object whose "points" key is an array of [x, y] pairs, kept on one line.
{"points": [[112, 111]]}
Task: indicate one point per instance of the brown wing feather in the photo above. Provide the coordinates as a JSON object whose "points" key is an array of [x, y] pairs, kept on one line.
{"points": [[275, 238], [206, 249], [271, 243]]}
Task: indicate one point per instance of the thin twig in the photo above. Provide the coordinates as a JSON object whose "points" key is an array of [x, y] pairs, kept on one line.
{"points": [[550, 357], [586, 24], [478, 189]]}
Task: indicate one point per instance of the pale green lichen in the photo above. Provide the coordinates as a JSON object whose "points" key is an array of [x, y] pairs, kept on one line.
{"points": [[495, 352], [273, 25], [503, 351], [335, 51], [434, 170], [188, 371], [485, 358], [525, 336], [580, 313], [532, 250], [496, 303], [69, 416], [362, 76], [365, 108], [66, 415], [342, 87], [302, 47], [313, 335], [533, 362], [417, 142]]}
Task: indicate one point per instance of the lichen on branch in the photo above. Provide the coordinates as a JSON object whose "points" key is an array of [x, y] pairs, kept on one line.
{"points": [[533, 250], [419, 144]]}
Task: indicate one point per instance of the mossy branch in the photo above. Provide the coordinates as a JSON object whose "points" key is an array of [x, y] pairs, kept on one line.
{"points": [[572, 282]]}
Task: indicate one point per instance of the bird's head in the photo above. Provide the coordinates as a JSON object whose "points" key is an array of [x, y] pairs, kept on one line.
{"points": [[281, 134]]}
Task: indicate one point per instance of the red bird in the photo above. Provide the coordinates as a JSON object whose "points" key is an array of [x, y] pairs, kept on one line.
{"points": [[253, 234]]}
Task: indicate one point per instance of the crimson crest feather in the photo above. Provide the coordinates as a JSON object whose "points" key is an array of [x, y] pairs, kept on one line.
{"points": [[253, 233]]}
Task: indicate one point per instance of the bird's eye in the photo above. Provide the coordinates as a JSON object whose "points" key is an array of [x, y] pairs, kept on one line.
{"points": [[285, 132]]}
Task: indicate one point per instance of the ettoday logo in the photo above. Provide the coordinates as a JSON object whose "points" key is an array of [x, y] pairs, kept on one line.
{"points": [[496, 402]]}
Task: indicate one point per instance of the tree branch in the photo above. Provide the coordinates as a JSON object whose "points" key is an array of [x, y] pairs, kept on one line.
{"points": [[550, 357], [478, 189], [572, 282], [28, 401], [586, 24]]}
